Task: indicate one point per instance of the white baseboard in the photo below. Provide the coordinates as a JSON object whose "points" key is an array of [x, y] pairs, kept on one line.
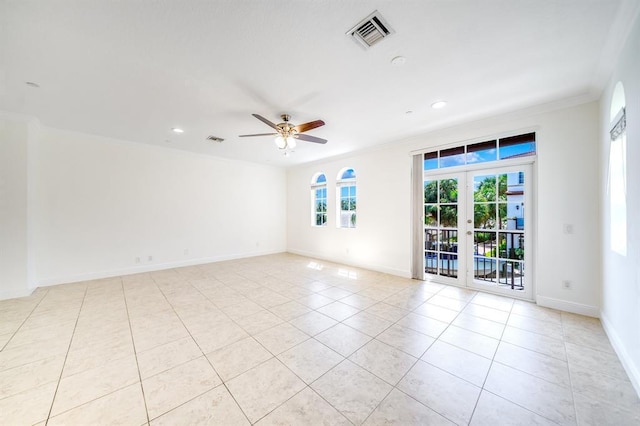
{"points": [[345, 261], [565, 305], [4, 295], [633, 370], [147, 268]]}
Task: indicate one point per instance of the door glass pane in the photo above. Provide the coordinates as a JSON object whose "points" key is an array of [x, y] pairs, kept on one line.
{"points": [[484, 216], [517, 146], [431, 214], [485, 244], [484, 188], [452, 157], [441, 226], [511, 274], [449, 191], [484, 269], [431, 191]]}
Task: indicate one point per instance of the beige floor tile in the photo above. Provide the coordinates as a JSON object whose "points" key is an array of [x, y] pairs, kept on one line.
{"points": [[458, 293], [258, 322], [493, 301], [546, 328], [89, 357], [352, 390], [492, 410], [544, 398], [535, 342], [593, 360], [167, 390], [28, 353], [28, 407], [484, 312], [31, 336], [406, 340], [241, 310], [400, 409], [436, 312], [162, 358], [359, 301], [313, 323], [290, 310], [386, 362], [305, 408], [425, 325], [406, 300], [215, 407], [596, 340], [125, 406], [238, 357], [543, 366], [220, 336], [150, 338], [19, 379], [448, 303], [459, 362], [599, 387], [343, 339], [368, 323], [479, 325], [470, 341], [335, 293], [532, 310], [338, 311], [267, 298], [315, 301], [444, 393], [281, 338], [597, 413], [91, 384], [310, 360], [387, 312], [263, 388]]}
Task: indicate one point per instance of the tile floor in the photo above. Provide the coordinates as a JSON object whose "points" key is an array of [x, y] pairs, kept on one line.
{"points": [[285, 339]]}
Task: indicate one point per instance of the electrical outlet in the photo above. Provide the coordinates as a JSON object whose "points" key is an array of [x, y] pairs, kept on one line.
{"points": [[566, 284], [567, 228], [150, 258]]}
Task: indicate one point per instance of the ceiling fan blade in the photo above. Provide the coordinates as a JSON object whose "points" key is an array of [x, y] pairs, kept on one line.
{"points": [[301, 128], [265, 121], [310, 138], [258, 134]]}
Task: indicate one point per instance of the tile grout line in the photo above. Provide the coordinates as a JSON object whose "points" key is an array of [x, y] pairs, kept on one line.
{"points": [[133, 342], [66, 355], [25, 320]]}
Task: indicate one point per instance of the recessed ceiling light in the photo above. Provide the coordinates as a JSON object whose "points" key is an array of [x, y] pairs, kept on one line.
{"points": [[32, 84], [177, 130], [399, 61], [408, 112], [438, 105]]}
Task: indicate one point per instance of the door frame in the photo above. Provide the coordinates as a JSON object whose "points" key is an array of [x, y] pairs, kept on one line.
{"points": [[530, 242]]}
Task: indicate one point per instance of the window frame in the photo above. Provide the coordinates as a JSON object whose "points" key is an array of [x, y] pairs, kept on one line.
{"points": [[350, 182], [315, 187]]}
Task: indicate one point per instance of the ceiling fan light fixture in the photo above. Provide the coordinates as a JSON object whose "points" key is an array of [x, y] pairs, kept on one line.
{"points": [[291, 142], [281, 143], [439, 104]]}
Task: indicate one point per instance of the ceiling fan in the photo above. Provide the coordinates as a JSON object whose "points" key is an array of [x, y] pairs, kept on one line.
{"points": [[287, 133]]}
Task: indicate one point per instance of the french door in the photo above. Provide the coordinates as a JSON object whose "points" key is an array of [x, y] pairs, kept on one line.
{"points": [[477, 229]]}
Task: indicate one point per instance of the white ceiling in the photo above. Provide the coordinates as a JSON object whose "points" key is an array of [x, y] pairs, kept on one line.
{"points": [[135, 69]]}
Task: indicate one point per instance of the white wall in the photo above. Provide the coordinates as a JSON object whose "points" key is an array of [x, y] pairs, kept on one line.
{"points": [[13, 207], [621, 274], [99, 203], [567, 193]]}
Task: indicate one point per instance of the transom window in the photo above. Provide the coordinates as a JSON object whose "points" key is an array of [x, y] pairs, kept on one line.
{"points": [[347, 198], [319, 200], [482, 152]]}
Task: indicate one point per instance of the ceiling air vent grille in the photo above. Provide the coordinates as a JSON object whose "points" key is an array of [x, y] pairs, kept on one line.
{"points": [[370, 30]]}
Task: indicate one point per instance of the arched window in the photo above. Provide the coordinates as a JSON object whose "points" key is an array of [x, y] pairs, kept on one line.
{"points": [[319, 200], [618, 172], [346, 198]]}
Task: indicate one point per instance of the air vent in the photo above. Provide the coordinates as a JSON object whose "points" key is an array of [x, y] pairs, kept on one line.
{"points": [[214, 139], [370, 30]]}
